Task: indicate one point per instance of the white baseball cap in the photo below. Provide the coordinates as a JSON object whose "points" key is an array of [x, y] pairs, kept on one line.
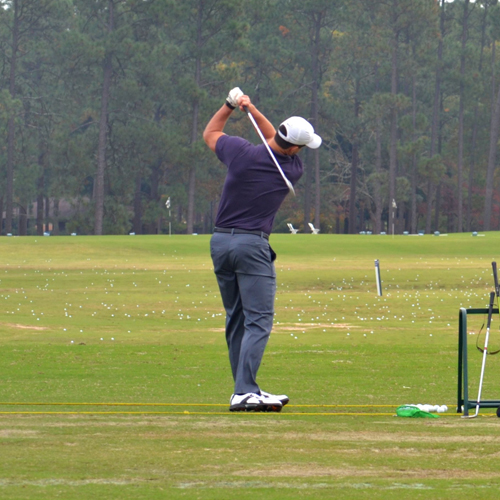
{"points": [[300, 132]]}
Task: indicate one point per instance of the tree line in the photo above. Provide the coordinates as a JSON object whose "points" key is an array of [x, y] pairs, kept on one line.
{"points": [[103, 104]]}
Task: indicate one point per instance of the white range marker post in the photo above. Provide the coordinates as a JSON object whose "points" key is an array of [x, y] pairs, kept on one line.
{"points": [[377, 277]]}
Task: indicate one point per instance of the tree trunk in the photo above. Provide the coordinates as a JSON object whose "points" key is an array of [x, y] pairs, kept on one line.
{"points": [[23, 220], [152, 227], [435, 119], [461, 122], [42, 159], [431, 188], [354, 167], [103, 131], [394, 133], [317, 182], [39, 207], [194, 124], [307, 188], [413, 176], [55, 217], [191, 199], [137, 223], [9, 209], [377, 189], [437, 207], [494, 129], [353, 216], [47, 208], [472, 165], [314, 114]]}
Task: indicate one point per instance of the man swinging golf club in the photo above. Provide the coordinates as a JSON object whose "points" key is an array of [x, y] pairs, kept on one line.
{"points": [[257, 181]]}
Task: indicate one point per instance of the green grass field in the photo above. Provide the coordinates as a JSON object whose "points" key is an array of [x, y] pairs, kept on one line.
{"points": [[115, 382]]}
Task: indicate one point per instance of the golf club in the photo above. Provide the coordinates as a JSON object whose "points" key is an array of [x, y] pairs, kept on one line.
{"points": [[485, 353], [495, 277], [497, 291], [263, 139]]}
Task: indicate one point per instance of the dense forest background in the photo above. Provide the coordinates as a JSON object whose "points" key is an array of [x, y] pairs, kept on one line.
{"points": [[103, 103]]}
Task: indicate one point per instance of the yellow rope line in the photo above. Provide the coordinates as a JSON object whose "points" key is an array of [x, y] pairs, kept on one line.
{"points": [[186, 412], [365, 414], [110, 404], [188, 404], [179, 413]]}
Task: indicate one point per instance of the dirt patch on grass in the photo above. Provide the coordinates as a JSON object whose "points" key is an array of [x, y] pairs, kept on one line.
{"points": [[208, 424], [17, 433], [214, 424], [295, 327], [24, 327], [314, 470], [130, 422], [69, 482], [301, 326], [392, 437]]}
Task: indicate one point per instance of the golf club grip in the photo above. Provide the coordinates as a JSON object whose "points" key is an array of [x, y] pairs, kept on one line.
{"points": [[490, 310], [495, 277]]}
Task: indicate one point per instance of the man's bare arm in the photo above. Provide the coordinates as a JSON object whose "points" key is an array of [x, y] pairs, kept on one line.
{"points": [[215, 126], [266, 127]]}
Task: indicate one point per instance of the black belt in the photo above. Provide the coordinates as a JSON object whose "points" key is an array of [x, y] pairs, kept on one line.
{"points": [[240, 231]]}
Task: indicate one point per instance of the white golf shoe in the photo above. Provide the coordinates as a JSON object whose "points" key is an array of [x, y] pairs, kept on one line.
{"points": [[282, 397], [254, 402]]}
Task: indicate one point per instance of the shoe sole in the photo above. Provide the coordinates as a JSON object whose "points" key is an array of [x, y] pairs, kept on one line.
{"points": [[255, 407]]}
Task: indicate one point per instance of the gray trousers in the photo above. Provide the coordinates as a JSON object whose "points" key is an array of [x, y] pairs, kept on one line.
{"points": [[247, 282]]}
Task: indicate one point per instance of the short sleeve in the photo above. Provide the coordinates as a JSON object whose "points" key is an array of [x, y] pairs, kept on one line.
{"points": [[228, 147]]}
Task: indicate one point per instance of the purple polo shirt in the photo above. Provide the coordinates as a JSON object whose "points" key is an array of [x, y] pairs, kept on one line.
{"points": [[254, 189]]}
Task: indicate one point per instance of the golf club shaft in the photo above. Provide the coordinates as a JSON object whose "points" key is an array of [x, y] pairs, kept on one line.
{"points": [[485, 352], [263, 139], [495, 277]]}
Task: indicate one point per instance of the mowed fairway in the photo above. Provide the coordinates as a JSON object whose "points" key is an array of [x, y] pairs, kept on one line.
{"points": [[119, 341]]}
